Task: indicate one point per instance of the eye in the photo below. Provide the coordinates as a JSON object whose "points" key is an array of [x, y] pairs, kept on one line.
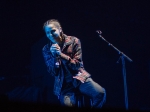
{"points": [[52, 31]]}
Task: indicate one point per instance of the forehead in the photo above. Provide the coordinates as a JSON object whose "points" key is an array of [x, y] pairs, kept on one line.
{"points": [[49, 27]]}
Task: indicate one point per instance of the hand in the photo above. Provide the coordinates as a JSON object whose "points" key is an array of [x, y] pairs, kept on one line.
{"points": [[80, 77], [55, 49]]}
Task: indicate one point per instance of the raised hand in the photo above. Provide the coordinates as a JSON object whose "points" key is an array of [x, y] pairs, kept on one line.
{"points": [[55, 49]]}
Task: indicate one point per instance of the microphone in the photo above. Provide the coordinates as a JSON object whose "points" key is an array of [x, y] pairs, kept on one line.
{"points": [[99, 32]]}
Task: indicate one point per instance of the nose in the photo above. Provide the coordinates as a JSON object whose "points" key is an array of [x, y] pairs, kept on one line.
{"points": [[52, 31]]}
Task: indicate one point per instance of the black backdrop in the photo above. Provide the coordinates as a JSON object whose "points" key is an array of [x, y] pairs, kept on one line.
{"points": [[124, 23]]}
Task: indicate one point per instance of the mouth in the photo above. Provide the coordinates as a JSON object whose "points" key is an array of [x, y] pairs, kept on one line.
{"points": [[58, 39], [55, 36]]}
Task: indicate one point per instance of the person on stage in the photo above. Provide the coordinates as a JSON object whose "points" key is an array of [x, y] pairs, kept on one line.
{"points": [[63, 58]]}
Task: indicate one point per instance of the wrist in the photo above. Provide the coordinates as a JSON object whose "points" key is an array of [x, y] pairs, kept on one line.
{"points": [[58, 53]]}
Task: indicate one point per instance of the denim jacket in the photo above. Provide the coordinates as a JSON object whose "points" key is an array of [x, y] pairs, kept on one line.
{"points": [[70, 62]]}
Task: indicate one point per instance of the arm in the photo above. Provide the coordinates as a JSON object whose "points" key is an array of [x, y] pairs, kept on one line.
{"points": [[76, 61], [49, 60]]}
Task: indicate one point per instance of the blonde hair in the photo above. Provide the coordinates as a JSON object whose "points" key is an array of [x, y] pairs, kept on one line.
{"points": [[55, 22]]}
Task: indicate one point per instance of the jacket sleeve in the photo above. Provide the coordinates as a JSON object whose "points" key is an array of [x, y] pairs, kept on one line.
{"points": [[76, 61], [49, 60]]}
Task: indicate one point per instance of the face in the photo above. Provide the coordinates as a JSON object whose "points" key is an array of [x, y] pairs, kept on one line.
{"points": [[53, 33]]}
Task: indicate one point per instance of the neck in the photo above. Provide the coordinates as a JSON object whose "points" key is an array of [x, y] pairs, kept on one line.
{"points": [[59, 41]]}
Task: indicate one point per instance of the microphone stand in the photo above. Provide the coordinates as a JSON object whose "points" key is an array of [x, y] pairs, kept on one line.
{"points": [[122, 56]]}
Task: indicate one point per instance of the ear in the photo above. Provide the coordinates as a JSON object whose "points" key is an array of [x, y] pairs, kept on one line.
{"points": [[60, 29]]}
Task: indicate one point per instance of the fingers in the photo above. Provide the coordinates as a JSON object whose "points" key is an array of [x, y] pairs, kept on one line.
{"points": [[79, 78], [55, 47]]}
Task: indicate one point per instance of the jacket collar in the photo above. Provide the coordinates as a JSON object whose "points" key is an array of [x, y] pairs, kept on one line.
{"points": [[68, 40]]}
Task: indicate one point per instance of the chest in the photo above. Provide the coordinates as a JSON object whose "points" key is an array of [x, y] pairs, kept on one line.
{"points": [[68, 50]]}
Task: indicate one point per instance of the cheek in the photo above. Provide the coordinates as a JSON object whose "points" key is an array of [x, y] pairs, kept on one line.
{"points": [[57, 33], [49, 35]]}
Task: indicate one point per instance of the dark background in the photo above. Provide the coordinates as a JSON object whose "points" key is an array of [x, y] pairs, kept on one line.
{"points": [[124, 23]]}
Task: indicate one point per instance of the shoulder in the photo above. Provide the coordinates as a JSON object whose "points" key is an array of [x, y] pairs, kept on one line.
{"points": [[75, 40], [72, 39], [45, 47]]}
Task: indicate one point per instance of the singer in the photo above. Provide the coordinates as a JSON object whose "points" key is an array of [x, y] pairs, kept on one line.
{"points": [[63, 58]]}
